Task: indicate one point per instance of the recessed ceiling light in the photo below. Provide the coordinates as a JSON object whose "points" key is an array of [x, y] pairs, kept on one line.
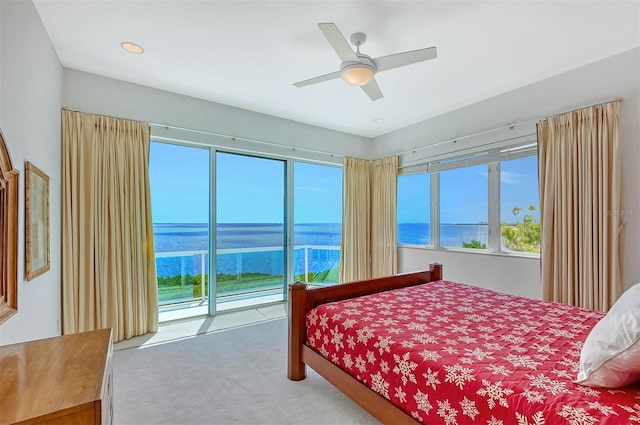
{"points": [[378, 120], [132, 47]]}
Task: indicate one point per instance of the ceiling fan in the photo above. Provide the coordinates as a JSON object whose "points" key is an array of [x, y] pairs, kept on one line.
{"points": [[360, 69]]}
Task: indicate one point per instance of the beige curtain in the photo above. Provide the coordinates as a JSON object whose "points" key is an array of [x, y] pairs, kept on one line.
{"points": [[579, 172], [355, 259], [108, 264], [383, 217]]}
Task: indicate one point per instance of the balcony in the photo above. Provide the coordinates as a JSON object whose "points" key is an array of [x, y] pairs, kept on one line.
{"points": [[243, 273]]}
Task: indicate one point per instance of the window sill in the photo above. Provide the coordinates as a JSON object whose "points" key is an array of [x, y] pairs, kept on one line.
{"points": [[513, 254]]}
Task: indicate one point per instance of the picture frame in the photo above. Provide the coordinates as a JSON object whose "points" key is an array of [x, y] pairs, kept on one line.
{"points": [[37, 260]]}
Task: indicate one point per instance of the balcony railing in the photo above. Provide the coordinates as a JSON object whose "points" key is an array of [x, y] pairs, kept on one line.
{"points": [[241, 271]]}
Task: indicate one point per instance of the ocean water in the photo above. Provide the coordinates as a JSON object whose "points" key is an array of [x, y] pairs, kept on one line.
{"points": [[233, 237]]}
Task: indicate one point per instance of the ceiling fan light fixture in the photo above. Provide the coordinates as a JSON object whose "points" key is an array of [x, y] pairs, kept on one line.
{"points": [[358, 74]]}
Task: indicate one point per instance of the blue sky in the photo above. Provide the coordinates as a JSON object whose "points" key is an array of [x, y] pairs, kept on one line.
{"points": [[251, 190]]}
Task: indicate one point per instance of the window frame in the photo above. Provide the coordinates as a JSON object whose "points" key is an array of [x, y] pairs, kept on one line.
{"points": [[492, 158]]}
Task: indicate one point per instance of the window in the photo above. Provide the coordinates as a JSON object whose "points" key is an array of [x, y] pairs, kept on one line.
{"points": [[519, 201], [485, 200], [464, 207], [317, 212], [414, 214], [179, 180]]}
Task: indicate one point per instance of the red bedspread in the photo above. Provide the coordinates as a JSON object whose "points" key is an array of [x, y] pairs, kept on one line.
{"points": [[449, 353]]}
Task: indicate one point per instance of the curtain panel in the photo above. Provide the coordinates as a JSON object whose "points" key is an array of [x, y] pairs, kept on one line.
{"points": [[108, 260], [384, 190], [579, 176], [355, 258]]}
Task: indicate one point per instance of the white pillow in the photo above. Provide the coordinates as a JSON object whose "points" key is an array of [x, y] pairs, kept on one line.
{"points": [[610, 357]]}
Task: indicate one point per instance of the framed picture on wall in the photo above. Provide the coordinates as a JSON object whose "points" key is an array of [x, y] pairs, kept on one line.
{"points": [[36, 221]]}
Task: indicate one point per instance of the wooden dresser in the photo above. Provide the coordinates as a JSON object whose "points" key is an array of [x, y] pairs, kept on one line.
{"points": [[61, 380]]}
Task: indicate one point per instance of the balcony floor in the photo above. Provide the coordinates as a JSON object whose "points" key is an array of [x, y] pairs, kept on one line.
{"points": [[188, 322]]}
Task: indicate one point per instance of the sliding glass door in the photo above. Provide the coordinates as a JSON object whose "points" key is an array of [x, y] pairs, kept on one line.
{"points": [[317, 212], [179, 180], [250, 232], [269, 221]]}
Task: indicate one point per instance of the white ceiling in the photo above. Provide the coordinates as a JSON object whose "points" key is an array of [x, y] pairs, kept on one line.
{"points": [[248, 54]]}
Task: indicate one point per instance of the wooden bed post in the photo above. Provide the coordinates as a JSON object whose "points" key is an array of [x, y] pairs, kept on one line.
{"points": [[436, 271], [296, 369]]}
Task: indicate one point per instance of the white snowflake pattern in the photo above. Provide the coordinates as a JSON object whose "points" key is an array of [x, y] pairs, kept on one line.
{"points": [[417, 327], [405, 368], [635, 411], [536, 419], [513, 339], [563, 373], [447, 412], [561, 333], [431, 378], [361, 364], [545, 348], [364, 334], [548, 384], [348, 323], [351, 342], [524, 361], [524, 328], [498, 370], [494, 421], [476, 318], [312, 317], [576, 416], [336, 338], [371, 357], [422, 400], [383, 344], [492, 346], [425, 338], [401, 395], [379, 385], [478, 354], [495, 393], [605, 410], [450, 350], [430, 355], [388, 321], [384, 367], [467, 339], [458, 375], [588, 391], [407, 344], [347, 361], [457, 329], [533, 396], [323, 321], [469, 408]]}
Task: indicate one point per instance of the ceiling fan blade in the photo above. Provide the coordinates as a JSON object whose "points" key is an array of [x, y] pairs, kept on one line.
{"points": [[373, 90], [337, 40], [319, 79], [397, 60]]}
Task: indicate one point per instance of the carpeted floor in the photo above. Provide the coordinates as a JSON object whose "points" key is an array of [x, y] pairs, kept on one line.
{"points": [[235, 376]]}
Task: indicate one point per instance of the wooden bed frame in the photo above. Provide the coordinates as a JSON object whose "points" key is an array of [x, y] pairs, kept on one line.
{"points": [[303, 299]]}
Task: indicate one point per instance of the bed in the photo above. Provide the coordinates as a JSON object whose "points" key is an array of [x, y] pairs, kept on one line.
{"points": [[414, 348]]}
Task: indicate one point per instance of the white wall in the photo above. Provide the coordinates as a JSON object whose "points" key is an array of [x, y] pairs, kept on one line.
{"points": [[503, 273], [96, 94], [617, 76], [31, 88]]}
